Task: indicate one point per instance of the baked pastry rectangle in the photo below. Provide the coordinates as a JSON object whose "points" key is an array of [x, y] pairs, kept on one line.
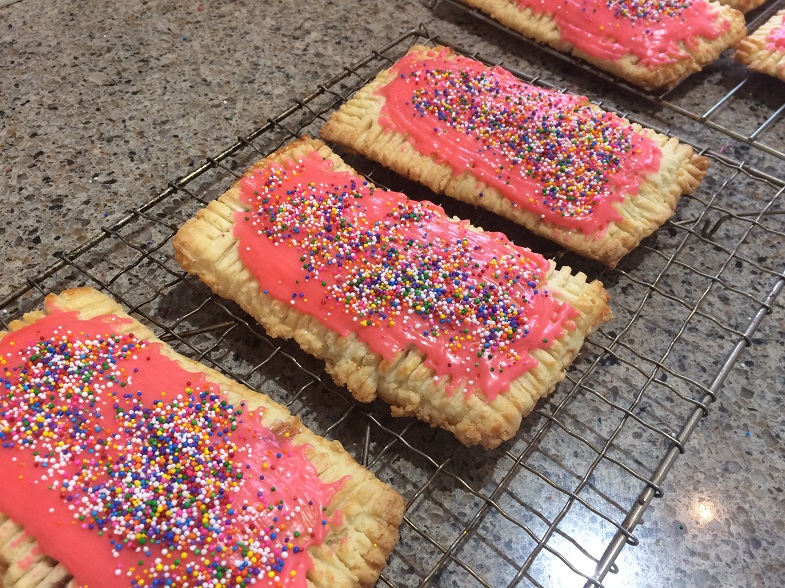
{"points": [[650, 44], [442, 321], [162, 470], [551, 162], [764, 50]]}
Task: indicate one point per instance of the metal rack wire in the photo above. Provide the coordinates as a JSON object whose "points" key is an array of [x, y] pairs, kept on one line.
{"points": [[555, 505]]}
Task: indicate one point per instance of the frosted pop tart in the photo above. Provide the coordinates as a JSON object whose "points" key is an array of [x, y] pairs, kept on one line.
{"points": [[124, 464], [552, 162], [764, 50], [442, 321], [651, 43]]}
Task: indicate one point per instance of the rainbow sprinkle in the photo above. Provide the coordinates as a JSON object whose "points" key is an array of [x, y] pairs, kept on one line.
{"points": [[386, 274], [552, 154], [648, 11], [182, 482]]}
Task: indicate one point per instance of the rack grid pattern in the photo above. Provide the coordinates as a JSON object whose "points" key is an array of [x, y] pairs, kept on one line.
{"points": [[712, 99], [555, 505]]}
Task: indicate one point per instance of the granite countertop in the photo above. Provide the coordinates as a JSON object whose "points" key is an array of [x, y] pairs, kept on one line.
{"points": [[103, 103]]}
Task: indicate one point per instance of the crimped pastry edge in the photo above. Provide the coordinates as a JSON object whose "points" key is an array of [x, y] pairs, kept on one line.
{"points": [[742, 5]]}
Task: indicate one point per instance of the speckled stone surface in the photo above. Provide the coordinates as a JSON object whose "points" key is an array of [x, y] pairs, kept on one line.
{"points": [[103, 103]]}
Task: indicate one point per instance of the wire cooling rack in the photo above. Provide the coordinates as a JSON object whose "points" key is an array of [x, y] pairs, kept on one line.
{"points": [[555, 505]]}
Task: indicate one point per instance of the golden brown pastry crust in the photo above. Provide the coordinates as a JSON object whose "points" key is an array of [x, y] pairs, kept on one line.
{"points": [[207, 247], [543, 28], [356, 126], [754, 53], [353, 553], [742, 5]]}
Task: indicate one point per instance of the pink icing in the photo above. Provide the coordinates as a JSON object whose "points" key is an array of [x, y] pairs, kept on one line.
{"points": [[98, 429], [397, 273], [547, 152], [651, 30], [775, 40]]}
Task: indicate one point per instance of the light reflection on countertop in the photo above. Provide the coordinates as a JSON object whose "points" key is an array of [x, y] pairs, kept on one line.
{"points": [[704, 511]]}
